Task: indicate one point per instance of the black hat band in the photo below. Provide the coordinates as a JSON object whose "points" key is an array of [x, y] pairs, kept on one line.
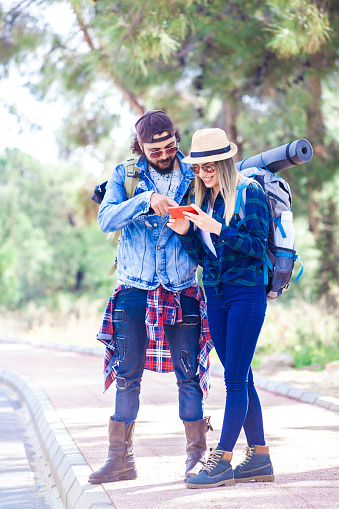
{"points": [[208, 153]]}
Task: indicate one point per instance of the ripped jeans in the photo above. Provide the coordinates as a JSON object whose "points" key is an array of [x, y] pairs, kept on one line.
{"points": [[131, 340]]}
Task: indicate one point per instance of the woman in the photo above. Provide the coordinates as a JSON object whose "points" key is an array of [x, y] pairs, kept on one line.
{"points": [[232, 257]]}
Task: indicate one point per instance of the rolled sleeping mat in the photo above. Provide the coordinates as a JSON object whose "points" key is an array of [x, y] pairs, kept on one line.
{"points": [[280, 158]]}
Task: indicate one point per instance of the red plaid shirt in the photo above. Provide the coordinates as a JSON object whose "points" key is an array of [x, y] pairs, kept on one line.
{"points": [[163, 306]]}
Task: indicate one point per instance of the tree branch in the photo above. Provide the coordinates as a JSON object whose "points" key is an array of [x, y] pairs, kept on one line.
{"points": [[192, 46], [134, 102], [137, 18]]}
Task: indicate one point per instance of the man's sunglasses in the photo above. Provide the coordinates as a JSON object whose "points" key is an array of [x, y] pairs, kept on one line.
{"points": [[207, 169], [169, 151]]}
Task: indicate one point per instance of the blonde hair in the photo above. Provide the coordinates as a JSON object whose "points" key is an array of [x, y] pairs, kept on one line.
{"points": [[229, 178]]}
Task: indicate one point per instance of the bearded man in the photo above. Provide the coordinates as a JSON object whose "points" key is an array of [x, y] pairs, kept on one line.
{"points": [[156, 317]]}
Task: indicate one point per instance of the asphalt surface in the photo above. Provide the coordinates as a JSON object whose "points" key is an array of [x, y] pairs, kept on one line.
{"points": [[24, 480], [303, 438]]}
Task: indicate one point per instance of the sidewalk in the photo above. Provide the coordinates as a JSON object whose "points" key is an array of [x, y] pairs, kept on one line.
{"points": [[303, 438]]}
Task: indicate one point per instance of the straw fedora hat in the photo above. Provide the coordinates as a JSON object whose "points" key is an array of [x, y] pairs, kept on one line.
{"points": [[210, 145]]}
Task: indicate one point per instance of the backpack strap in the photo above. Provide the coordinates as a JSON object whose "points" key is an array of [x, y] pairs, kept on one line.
{"points": [[267, 265], [116, 236], [131, 181], [277, 220], [240, 209], [241, 200], [132, 176], [113, 268], [190, 192], [295, 257]]}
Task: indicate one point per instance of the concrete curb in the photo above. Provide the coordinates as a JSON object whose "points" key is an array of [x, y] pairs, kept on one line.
{"points": [[284, 389], [69, 468]]}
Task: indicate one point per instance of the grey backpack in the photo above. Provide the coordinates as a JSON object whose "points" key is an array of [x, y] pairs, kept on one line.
{"points": [[279, 262]]}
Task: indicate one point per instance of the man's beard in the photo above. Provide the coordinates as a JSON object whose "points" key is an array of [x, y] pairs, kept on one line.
{"points": [[164, 167]]}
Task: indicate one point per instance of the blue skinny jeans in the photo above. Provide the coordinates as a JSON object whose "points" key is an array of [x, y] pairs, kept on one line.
{"points": [[235, 319], [131, 341]]}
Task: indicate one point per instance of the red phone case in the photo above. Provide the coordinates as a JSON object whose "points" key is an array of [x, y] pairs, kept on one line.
{"points": [[177, 212]]}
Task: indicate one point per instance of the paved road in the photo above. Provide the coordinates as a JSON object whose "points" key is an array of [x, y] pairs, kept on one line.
{"points": [[304, 439], [23, 485]]}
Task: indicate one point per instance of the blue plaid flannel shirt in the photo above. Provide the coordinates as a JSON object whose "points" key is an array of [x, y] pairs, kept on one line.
{"points": [[241, 251]]}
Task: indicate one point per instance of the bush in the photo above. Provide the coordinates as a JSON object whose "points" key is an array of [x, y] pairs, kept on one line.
{"points": [[306, 331]]}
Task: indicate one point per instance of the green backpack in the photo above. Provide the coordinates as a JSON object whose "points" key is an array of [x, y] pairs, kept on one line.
{"points": [[132, 175]]}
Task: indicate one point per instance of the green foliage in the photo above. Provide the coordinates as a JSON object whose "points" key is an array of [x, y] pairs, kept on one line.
{"points": [[305, 331], [328, 272], [331, 108], [312, 349], [45, 244], [140, 33], [86, 127], [298, 323], [20, 35], [298, 27], [265, 70]]}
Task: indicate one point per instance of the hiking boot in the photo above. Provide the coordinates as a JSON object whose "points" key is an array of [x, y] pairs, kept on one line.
{"points": [[196, 432], [216, 472], [120, 465], [256, 466]]}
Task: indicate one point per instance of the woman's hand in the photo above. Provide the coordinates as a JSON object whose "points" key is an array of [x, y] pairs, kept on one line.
{"points": [[204, 221], [180, 226]]}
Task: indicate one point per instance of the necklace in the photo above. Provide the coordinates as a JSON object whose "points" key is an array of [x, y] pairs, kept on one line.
{"points": [[161, 182], [170, 183]]}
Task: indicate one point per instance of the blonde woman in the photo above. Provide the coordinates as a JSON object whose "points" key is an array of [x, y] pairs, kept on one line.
{"points": [[231, 252]]}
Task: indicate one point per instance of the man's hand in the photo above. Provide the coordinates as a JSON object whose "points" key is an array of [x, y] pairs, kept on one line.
{"points": [[160, 203]]}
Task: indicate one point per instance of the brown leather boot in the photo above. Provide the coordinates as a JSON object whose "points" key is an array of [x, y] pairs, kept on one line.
{"points": [[120, 465], [196, 432]]}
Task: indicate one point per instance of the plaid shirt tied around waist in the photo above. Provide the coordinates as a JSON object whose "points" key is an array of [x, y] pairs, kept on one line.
{"points": [[163, 306]]}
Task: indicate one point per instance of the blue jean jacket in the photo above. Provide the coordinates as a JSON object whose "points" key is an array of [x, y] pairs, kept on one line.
{"points": [[150, 253]]}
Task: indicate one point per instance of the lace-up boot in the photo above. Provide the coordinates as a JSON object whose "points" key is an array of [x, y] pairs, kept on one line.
{"points": [[256, 466], [217, 471]]}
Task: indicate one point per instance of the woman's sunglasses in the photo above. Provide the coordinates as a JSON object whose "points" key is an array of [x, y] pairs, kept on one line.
{"points": [[169, 151], [207, 169]]}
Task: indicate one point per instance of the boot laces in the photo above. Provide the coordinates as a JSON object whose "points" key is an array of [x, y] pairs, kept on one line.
{"points": [[249, 451], [213, 459]]}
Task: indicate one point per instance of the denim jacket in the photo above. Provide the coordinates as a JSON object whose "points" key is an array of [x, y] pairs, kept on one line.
{"points": [[150, 253]]}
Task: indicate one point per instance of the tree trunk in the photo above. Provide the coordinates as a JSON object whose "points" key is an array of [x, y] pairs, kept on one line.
{"points": [[326, 241], [315, 133], [228, 122], [322, 216]]}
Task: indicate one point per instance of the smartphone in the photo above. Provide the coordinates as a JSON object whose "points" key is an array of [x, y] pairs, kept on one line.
{"points": [[177, 212]]}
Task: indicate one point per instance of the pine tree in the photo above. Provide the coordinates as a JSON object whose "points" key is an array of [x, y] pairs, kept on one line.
{"points": [[251, 67]]}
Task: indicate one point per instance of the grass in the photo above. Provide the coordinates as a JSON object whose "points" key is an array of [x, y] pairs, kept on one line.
{"points": [[73, 323], [296, 323], [304, 330]]}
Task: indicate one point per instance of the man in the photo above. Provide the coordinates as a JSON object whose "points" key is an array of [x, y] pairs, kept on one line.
{"points": [[156, 317]]}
